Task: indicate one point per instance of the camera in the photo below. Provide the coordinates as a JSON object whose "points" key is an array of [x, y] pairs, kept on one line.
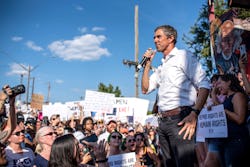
{"points": [[19, 89]]}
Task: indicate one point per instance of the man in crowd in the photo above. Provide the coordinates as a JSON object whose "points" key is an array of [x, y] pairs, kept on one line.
{"points": [[182, 91]]}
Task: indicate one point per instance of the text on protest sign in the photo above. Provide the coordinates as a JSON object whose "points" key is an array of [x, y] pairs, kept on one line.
{"points": [[212, 123], [122, 160]]}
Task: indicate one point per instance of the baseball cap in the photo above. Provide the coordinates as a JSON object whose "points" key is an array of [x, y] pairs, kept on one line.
{"points": [[130, 129], [109, 120]]}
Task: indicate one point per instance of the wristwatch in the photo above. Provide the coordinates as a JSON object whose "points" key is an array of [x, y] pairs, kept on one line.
{"points": [[197, 112]]}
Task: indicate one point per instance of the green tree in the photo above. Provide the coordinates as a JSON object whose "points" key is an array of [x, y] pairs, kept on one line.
{"points": [[198, 40], [109, 89]]}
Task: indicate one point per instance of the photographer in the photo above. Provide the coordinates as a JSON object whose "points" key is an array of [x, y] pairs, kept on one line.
{"points": [[7, 124]]}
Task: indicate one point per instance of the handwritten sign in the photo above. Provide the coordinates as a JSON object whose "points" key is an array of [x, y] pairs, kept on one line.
{"points": [[99, 101], [122, 160], [37, 101], [212, 123]]}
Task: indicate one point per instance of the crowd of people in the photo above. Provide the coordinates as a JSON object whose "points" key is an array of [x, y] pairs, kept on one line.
{"points": [[76, 142], [183, 90]]}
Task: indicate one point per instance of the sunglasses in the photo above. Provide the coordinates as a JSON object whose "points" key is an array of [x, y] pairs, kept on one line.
{"points": [[139, 139], [131, 140], [116, 137], [50, 134], [19, 133]]}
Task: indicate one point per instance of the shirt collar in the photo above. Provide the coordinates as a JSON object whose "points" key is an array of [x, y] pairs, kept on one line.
{"points": [[171, 54]]}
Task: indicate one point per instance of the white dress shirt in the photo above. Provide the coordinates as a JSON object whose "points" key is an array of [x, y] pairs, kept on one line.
{"points": [[178, 78]]}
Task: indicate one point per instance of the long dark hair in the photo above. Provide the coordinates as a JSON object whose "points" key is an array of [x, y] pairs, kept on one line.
{"points": [[85, 121], [144, 137], [235, 83], [63, 152]]}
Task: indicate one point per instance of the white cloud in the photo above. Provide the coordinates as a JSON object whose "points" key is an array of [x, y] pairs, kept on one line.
{"points": [[59, 81], [86, 47], [98, 29], [33, 46], [78, 7], [18, 69], [16, 38], [83, 29]]}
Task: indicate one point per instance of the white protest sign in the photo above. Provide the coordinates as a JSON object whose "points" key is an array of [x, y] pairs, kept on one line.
{"points": [[122, 160], [152, 119], [212, 123], [135, 108], [99, 102]]}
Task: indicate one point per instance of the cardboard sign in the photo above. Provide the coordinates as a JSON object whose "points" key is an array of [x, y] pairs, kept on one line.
{"points": [[212, 123], [37, 101]]}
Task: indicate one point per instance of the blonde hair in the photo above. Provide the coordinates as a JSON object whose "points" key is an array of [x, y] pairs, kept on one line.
{"points": [[41, 132]]}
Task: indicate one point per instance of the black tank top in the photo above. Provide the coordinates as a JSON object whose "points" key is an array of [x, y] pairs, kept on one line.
{"points": [[234, 130]]}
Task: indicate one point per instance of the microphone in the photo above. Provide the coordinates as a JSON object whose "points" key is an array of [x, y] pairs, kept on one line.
{"points": [[143, 61]]}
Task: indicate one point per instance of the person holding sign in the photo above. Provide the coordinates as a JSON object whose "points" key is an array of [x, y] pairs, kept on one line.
{"points": [[179, 79], [232, 150]]}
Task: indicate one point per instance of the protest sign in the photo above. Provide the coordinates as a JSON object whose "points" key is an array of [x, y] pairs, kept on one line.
{"points": [[122, 160], [99, 102], [37, 101], [212, 123]]}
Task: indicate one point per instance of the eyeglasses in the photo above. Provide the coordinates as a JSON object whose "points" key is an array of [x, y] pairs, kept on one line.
{"points": [[19, 133], [131, 140], [50, 134], [139, 139], [116, 137]]}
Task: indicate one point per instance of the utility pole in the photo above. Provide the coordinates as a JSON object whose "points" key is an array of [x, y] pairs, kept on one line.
{"points": [[29, 70], [28, 87], [136, 51], [135, 63], [48, 96], [33, 85]]}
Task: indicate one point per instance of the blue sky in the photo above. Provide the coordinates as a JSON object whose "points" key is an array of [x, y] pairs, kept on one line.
{"points": [[76, 44]]}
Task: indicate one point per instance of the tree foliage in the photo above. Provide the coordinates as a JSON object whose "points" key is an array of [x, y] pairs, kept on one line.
{"points": [[109, 89], [198, 40]]}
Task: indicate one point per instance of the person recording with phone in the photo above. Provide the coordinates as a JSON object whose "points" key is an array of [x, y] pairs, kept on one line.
{"points": [[183, 89]]}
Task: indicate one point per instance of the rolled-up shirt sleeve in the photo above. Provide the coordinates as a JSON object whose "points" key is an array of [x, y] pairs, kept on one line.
{"points": [[197, 73]]}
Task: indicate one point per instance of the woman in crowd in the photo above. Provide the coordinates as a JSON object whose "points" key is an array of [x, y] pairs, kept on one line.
{"points": [[65, 152], [88, 126], [45, 137], [60, 128], [73, 123], [152, 139], [54, 120], [129, 144], [231, 151], [115, 142], [145, 155]]}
